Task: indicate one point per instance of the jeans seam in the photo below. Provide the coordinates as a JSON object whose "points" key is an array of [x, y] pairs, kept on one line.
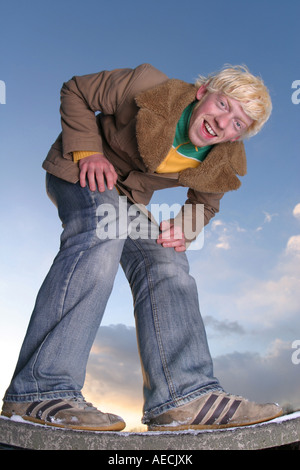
{"points": [[49, 395], [156, 322], [60, 311]]}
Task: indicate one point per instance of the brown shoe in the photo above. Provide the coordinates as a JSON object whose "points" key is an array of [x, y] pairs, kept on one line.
{"points": [[73, 413], [214, 410]]}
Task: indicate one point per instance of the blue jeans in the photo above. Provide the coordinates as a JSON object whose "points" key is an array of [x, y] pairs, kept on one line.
{"points": [[176, 362]]}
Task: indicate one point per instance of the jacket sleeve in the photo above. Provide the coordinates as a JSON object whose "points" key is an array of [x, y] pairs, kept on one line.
{"points": [[83, 96], [198, 210]]}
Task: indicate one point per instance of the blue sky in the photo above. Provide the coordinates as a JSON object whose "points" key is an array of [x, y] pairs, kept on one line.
{"points": [[248, 270]]}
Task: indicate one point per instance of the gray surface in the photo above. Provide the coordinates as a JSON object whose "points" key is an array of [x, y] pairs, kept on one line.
{"points": [[278, 432]]}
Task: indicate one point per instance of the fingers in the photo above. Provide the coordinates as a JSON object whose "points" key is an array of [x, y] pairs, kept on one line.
{"points": [[111, 176], [180, 248], [82, 177], [171, 236], [97, 170], [178, 245]]}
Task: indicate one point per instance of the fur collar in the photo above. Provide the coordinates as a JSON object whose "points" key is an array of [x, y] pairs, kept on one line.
{"points": [[160, 110]]}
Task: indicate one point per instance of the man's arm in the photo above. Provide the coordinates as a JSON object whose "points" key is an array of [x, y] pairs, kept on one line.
{"points": [[81, 98]]}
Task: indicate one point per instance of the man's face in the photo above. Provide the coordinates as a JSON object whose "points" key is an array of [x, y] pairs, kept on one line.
{"points": [[217, 119]]}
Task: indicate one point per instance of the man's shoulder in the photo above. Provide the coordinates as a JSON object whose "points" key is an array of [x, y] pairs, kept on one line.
{"points": [[149, 69], [130, 83], [148, 75]]}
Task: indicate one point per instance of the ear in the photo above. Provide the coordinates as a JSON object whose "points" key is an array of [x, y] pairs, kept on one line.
{"points": [[201, 92]]}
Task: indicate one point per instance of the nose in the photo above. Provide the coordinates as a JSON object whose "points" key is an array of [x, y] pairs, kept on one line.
{"points": [[222, 120]]}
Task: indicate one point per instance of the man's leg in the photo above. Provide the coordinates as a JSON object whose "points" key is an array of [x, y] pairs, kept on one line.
{"points": [[71, 301], [176, 362]]}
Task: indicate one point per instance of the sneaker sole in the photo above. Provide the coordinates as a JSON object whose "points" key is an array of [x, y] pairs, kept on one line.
{"points": [[185, 427], [118, 426]]}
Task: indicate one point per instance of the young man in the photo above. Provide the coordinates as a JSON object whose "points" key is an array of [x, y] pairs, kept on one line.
{"points": [[151, 133]]}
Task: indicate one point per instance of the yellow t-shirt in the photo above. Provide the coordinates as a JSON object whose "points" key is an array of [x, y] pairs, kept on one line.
{"points": [[176, 162]]}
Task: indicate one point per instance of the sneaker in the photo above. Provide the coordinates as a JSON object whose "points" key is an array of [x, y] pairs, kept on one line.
{"points": [[74, 413], [215, 410]]}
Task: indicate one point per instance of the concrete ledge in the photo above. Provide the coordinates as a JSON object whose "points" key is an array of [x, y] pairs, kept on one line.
{"points": [[275, 433]]}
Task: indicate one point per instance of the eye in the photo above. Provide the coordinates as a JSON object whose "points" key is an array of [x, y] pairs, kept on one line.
{"points": [[238, 125], [221, 102]]}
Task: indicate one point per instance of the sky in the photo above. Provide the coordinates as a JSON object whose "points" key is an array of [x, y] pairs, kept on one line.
{"points": [[247, 271]]}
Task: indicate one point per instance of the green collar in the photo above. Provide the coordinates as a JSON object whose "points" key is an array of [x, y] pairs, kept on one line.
{"points": [[181, 140]]}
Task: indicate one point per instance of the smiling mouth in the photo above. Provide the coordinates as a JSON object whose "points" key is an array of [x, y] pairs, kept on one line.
{"points": [[209, 129]]}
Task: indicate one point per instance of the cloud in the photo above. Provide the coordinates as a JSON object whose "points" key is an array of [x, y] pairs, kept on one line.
{"points": [[216, 223], [224, 233], [262, 378], [267, 220], [269, 302], [114, 363], [296, 211], [293, 244], [223, 243], [252, 282], [274, 300], [223, 327], [114, 377], [269, 217]]}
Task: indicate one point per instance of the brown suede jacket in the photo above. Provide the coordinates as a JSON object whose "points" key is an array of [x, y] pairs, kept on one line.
{"points": [[135, 128]]}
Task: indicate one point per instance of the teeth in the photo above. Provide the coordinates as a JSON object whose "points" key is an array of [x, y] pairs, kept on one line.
{"points": [[209, 129]]}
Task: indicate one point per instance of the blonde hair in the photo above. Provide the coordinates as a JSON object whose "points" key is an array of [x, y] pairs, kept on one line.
{"points": [[238, 83]]}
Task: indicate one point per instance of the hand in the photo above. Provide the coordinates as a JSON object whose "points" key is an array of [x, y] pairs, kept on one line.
{"points": [[171, 236], [96, 168]]}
